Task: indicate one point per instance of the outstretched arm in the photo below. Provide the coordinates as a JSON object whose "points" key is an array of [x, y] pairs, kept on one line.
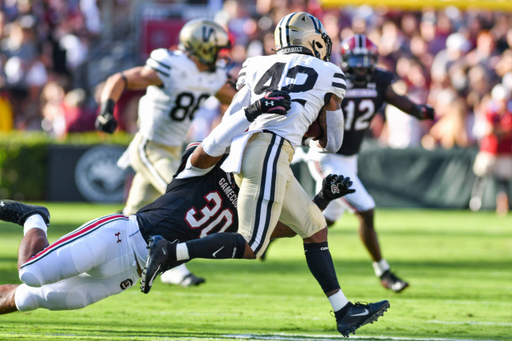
{"points": [[133, 79], [420, 111]]}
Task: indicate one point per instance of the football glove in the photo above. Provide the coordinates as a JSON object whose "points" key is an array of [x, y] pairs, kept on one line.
{"points": [[424, 112], [274, 102], [105, 120], [333, 187]]}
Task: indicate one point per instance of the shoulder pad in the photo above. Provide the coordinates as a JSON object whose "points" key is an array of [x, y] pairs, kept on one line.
{"points": [[159, 61], [244, 72]]}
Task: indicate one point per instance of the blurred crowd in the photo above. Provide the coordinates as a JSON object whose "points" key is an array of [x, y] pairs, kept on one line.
{"points": [[42, 43], [448, 58]]}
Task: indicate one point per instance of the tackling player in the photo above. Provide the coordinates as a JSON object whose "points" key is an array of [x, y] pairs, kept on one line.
{"points": [[261, 160], [177, 82], [368, 88], [105, 256]]}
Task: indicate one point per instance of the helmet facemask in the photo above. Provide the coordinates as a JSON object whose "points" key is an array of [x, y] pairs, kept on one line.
{"points": [[302, 33], [203, 39]]}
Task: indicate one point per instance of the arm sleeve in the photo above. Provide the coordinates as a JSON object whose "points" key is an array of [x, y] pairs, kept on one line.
{"points": [[159, 61], [335, 131]]}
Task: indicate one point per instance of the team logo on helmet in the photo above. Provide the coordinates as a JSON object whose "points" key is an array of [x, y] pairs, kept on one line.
{"points": [[203, 39], [300, 32], [358, 52]]}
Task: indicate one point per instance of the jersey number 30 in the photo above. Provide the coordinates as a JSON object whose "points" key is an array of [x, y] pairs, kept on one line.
{"points": [[205, 219]]}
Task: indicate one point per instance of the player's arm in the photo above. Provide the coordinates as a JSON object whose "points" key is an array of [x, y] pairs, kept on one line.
{"points": [[137, 78], [214, 146], [332, 123], [226, 93], [420, 111]]}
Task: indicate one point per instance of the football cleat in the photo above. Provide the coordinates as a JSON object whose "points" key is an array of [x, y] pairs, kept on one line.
{"points": [[158, 261], [191, 280], [353, 316], [390, 281], [17, 212]]}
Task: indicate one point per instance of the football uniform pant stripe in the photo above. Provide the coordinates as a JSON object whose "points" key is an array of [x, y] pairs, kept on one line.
{"points": [[270, 193], [96, 265], [149, 166], [69, 256]]}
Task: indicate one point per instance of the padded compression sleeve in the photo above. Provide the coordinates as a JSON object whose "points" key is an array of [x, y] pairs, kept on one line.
{"points": [[335, 130]]}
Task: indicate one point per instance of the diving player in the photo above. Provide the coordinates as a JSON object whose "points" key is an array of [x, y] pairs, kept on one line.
{"points": [[261, 160], [105, 256], [368, 88], [177, 82]]}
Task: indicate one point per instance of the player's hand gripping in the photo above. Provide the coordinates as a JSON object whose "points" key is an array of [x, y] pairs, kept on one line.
{"points": [[424, 112], [274, 102], [105, 120], [333, 187]]}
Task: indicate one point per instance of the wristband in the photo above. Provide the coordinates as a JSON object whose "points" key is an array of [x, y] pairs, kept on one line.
{"points": [[320, 202]]}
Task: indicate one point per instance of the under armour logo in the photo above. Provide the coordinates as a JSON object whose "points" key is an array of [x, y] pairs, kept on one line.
{"points": [[268, 104], [334, 189], [118, 235]]}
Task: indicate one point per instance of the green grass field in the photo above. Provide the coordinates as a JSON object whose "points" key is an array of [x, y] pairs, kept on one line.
{"points": [[459, 265]]}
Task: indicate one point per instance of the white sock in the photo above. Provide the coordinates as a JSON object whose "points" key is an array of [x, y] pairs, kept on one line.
{"points": [[35, 221], [182, 252], [380, 267], [338, 300]]}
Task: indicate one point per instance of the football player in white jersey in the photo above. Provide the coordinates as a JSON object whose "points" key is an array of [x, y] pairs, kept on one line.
{"points": [[177, 82], [260, 160]]}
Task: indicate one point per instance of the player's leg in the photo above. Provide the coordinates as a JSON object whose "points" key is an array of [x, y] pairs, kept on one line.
{"points": [[304, 218], [77, 252], [263, 180], [319, 168], [7, 303], [155, 165], [80, 291], [142, 192], [484, 164]]}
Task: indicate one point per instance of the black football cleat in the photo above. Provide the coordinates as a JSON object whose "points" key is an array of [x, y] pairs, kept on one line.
{"points": [[17, 212], [390, 281], [158, 261], [353, 316]]}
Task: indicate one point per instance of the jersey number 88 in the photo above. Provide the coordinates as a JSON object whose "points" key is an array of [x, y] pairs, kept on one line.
{"points": [[186, 105]]}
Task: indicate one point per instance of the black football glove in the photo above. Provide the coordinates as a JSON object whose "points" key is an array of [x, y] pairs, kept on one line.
{"points": [[274, 102], [105, 120], [424, 112], [333, 187]]}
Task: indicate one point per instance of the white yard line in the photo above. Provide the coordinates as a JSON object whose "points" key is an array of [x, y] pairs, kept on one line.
{"points": [[472, 322], [278, 337]]}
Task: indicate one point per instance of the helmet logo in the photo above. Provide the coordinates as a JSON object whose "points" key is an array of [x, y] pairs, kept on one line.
{"points": [[207, 32]]}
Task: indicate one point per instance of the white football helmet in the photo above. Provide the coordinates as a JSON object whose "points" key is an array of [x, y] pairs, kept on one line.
{"points": [[203, 39], [300, 32]]}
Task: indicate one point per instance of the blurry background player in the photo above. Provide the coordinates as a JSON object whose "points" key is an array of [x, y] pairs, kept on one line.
{"points": [[495, 155], [368, 88], [178, 83], [260, 160]]}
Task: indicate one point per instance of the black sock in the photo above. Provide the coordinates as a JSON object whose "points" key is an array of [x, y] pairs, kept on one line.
{"points": [[217, 245], [320, 264]]}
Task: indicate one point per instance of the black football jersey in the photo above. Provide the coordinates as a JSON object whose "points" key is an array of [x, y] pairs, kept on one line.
{"points": [[359, 106], [192, 208]]}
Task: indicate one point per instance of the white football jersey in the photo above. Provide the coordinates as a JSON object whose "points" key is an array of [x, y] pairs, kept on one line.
{"points": [[308, 80], [166, 112]]}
